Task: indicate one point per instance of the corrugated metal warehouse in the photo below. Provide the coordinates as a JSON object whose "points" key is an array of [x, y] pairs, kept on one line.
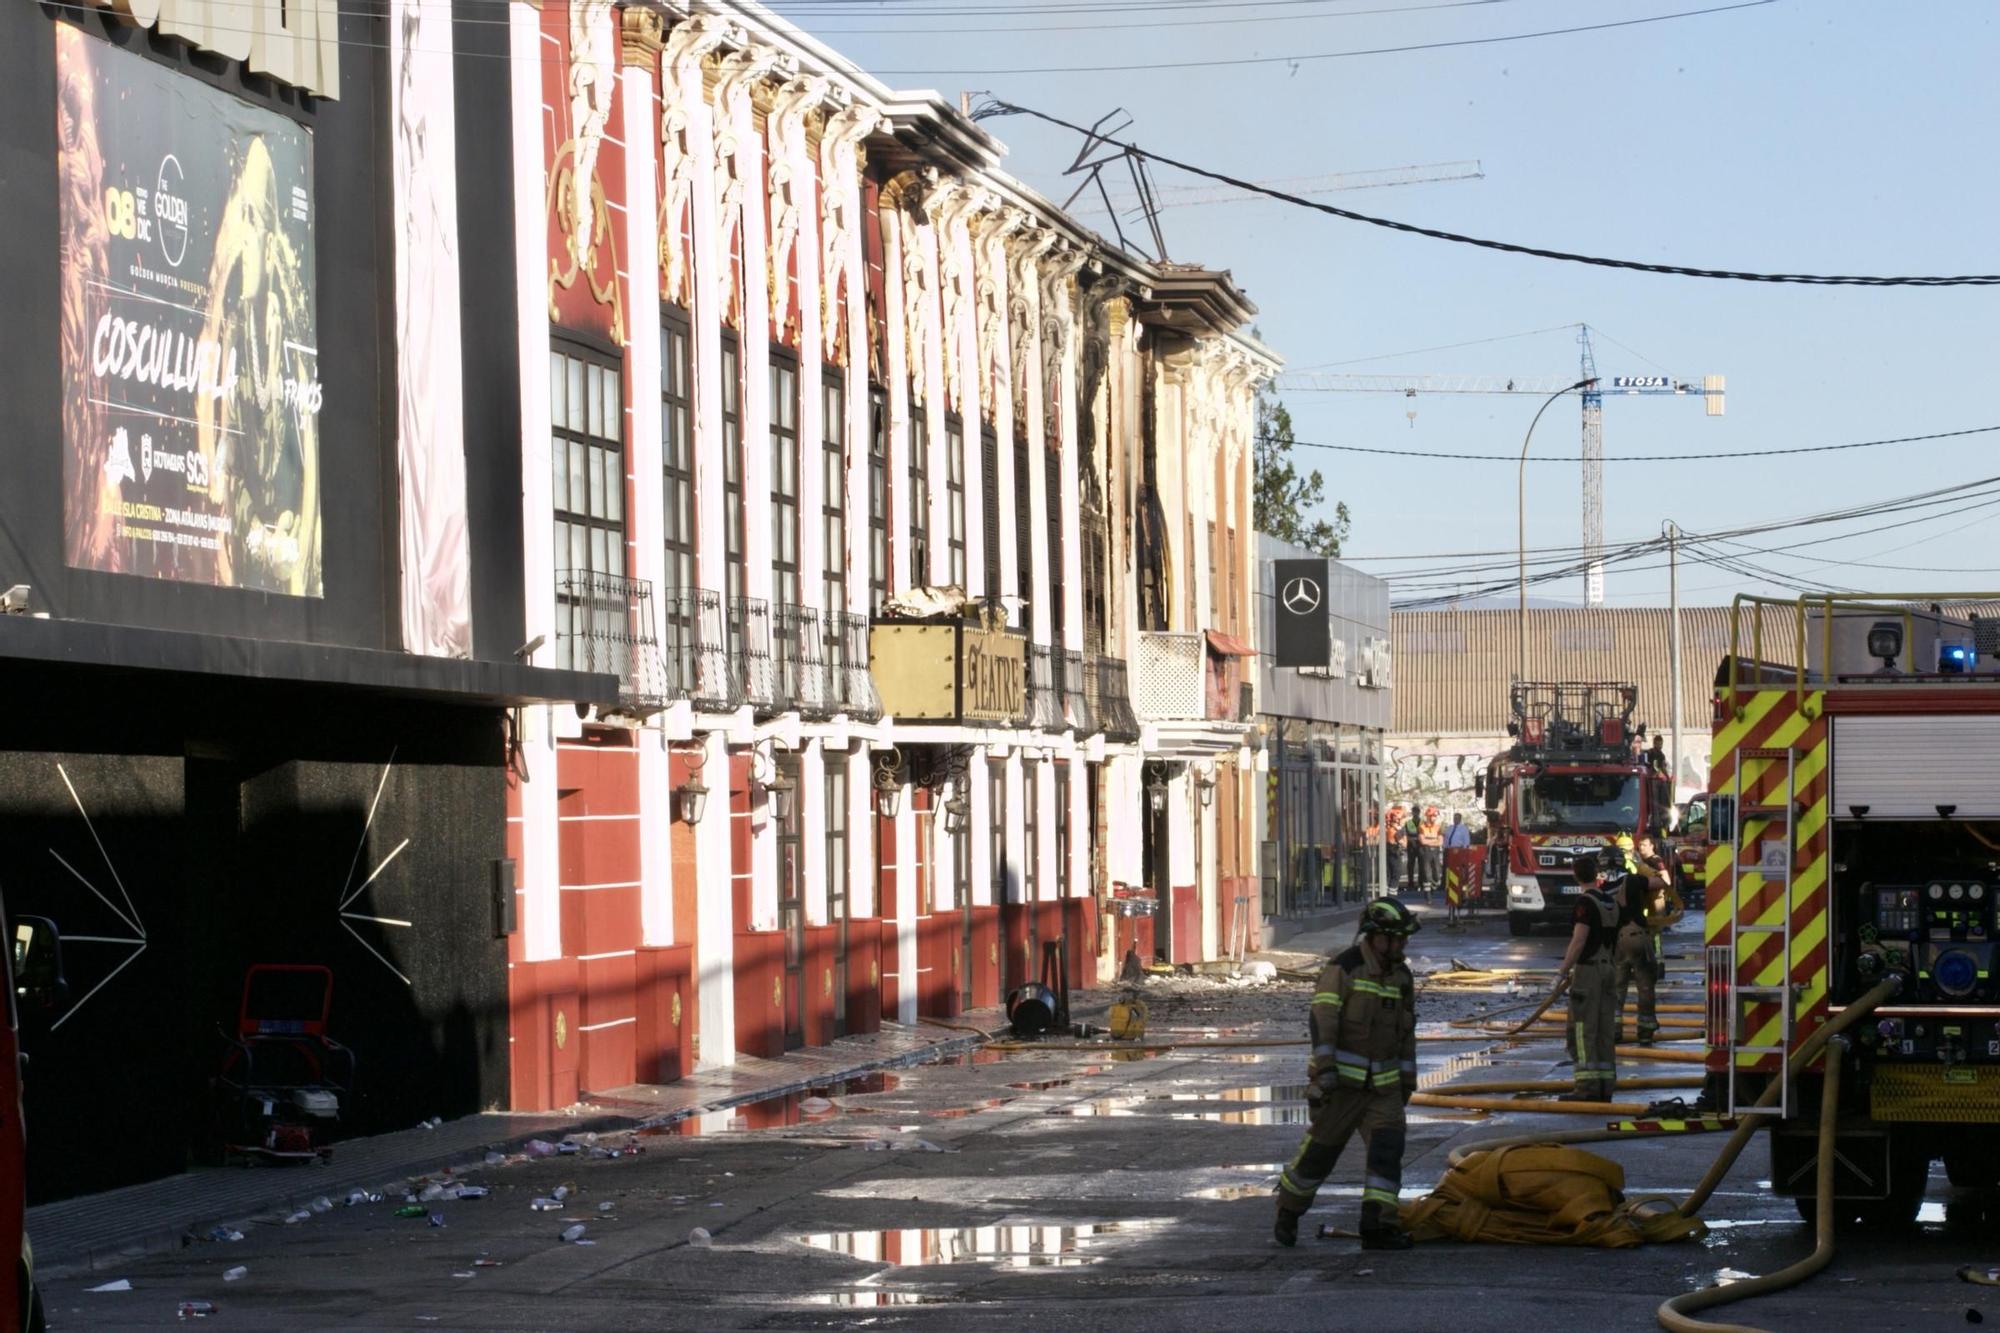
{"points": [[1453, 667]]}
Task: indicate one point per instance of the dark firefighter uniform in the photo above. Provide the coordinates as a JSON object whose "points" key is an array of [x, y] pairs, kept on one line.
{"points": [[1362, 1072], [1593, 994], [1633, 957]]}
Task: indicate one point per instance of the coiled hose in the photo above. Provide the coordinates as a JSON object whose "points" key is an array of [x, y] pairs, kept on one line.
{"points": [[1672, 1313]]}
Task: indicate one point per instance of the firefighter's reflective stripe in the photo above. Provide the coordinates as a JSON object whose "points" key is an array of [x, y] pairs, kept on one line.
{"points": [[1328, 997], [1367, 987]]}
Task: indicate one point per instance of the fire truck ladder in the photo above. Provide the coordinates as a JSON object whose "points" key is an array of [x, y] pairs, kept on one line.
{"points": [[1746, 935]]}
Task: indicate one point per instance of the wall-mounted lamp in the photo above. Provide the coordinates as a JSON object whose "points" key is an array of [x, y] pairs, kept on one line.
{"points": [[957, 815], [779, 791], [888, 786], [778, 788], [1204, 787], [691, 797], [1156, 791]]}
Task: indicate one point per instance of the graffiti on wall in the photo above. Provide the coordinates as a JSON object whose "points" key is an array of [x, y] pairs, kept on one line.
{"points": [[1439, 772]]}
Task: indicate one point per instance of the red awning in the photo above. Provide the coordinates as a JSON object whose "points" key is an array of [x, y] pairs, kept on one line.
{"points": [[1228, 645]]}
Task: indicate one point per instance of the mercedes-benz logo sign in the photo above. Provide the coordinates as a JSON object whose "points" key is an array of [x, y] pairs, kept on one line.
{"points": [[1301, 596]]}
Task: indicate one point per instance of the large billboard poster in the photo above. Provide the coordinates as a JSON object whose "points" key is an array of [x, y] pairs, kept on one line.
{"points": [[190, 361]]}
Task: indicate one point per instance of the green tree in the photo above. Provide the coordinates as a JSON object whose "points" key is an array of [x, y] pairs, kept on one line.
{"points": [[1285, 500]]}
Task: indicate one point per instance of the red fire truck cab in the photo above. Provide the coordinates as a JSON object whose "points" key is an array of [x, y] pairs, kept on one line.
{"points": [[1569, 785]]}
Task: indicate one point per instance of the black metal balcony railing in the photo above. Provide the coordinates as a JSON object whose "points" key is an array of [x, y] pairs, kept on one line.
{"points": [[1076, 696], [850, 686], [1111, 702], [697, 650], [799, 661], [1045, 702], [604, 623], [750, 652]]}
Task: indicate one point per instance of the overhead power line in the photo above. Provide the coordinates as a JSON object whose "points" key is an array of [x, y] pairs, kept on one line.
{"points": [[1636, 458], [902, 30], [999, 108], [1304, 57]]}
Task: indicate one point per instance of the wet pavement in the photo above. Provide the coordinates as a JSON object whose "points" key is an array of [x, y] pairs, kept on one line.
{"points": [[1058, 1188]]}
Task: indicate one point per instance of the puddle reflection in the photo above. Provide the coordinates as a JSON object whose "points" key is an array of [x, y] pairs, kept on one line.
{"points": [[1014, 1245], [813, 1106]]}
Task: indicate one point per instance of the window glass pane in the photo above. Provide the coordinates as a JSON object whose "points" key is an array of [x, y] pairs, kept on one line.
{"points": [[614, 485], [594, 465], [559, 485], [577, 413], [615, 557], [579, 483], [614, 407], [597, 555], [556, 381]]}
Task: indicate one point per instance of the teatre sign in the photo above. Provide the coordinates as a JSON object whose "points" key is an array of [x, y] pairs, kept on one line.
{"points": [[296, 42]]}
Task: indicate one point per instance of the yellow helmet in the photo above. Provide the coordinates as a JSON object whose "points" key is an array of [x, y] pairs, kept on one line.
{"points": [[1624, 842]]}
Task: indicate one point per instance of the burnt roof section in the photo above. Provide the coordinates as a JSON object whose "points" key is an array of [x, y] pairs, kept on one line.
{"points": [[1195, 301]]}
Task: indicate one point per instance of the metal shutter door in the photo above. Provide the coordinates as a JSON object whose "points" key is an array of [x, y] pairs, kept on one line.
{"points": [[1905, 767]]}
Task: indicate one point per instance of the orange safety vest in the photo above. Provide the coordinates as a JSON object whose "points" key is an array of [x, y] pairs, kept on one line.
{"points": [[1431, 834]]}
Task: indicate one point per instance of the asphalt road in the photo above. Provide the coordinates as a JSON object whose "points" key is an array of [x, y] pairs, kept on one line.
{"points": [[1059, 1189]]}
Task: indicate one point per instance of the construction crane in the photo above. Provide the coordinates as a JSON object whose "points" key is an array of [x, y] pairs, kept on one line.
{"points": [[1709, 389], [1195, 196]]}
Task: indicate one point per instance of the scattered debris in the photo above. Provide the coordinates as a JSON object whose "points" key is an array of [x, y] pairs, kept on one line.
{"points": [[572, 1234], [196, 1309], [302, 1215], [1985, 1277], [236, 1274], [225, 1233], [122, 1284], [700, 1239]]}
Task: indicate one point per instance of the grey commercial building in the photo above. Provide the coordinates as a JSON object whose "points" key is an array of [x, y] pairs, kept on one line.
{"points": [[1322, 730]]}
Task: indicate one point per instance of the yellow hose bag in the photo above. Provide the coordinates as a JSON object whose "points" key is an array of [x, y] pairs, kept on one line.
{"points": [[1543, 1194]]}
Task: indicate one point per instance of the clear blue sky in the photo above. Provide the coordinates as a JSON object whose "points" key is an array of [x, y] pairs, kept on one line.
{"points": [[1800, 136]]}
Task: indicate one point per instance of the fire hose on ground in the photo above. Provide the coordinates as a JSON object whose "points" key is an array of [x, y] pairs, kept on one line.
{"points": [[1674, 1314]]}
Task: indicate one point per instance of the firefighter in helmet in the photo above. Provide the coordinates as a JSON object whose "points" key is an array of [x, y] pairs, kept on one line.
{"points": [[1398, 816], [1363, 1069], [1632, 958], [1430, 837], [1588, 966]]}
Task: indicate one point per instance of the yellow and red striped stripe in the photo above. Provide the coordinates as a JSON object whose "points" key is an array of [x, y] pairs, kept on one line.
{"points": [[1773, 719]]}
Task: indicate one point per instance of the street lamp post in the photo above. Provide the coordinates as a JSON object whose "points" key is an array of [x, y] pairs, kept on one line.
{"points": [[1521, 520], [1672, 532]]}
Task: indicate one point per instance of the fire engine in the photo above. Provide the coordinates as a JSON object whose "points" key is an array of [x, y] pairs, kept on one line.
{"points": [[1854, 839], [1569, 785]]}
